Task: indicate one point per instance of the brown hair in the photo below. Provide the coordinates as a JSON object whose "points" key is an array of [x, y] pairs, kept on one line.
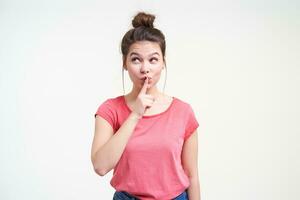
{"points": [[143, 29]]}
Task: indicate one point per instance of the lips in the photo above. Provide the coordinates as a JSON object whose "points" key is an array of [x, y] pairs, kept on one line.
{"points": [[144, 78]]}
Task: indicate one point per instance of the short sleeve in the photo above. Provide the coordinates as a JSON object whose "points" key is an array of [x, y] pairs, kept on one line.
{"points": [[191, 123], [106, 110]]}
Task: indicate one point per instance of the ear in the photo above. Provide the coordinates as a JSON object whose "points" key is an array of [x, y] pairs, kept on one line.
{"points": [[164, 66], [124, 62]]}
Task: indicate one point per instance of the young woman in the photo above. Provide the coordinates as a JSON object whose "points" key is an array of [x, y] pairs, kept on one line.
{"points": [[148, 137]]}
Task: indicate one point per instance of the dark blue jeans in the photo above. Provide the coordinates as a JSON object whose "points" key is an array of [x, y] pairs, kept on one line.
{"points": [[122, 195]]}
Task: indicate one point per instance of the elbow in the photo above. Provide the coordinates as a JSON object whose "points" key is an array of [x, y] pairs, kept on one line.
{"points": [[100, 172], [98, 169], [103, 171]]}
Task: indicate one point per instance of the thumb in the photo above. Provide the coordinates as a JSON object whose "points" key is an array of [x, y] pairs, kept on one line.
{"points": [[145, 86]]}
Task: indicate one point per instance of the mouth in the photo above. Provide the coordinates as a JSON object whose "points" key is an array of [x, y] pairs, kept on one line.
{"points": [[144, 78]]}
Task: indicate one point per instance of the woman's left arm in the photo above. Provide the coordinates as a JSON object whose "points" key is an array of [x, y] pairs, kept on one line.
{"points": [[189, 160]]}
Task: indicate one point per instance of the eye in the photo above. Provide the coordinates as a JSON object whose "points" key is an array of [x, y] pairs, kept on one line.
{"points": [[133, 59], [154, 59]]}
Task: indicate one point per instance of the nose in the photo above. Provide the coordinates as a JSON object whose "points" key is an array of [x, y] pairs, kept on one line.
{"points": [[144, 69]]}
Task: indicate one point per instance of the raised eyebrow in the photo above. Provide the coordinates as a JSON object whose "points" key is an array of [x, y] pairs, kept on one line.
{"points": [[134, 53]]}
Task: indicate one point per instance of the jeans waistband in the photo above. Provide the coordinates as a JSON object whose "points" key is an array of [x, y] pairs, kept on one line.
{"points": [[123, 195]]}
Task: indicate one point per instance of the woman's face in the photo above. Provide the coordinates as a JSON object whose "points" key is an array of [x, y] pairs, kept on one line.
{"points": [[144, 59]]}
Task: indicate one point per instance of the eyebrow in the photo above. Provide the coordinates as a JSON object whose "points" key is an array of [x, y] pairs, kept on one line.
{"points": [[134, 53]]}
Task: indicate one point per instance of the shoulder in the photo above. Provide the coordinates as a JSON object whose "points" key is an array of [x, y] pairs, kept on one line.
{"points": [[182, 103], [184, 108], [112, 101], [109, 106]]}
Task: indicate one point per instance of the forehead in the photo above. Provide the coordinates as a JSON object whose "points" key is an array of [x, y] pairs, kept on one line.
{"points": [[144, 48]]}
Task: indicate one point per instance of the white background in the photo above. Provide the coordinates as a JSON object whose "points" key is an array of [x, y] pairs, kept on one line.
{"points": [[236, 62]]}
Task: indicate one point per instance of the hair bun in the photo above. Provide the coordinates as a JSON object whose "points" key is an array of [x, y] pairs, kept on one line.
{"points": [[143, 19]]}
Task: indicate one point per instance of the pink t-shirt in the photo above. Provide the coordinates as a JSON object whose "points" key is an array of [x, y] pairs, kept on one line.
{"points": [[150, 167]]}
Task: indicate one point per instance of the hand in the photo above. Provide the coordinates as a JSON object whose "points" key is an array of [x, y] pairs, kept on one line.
{"points": [[143, 101]]}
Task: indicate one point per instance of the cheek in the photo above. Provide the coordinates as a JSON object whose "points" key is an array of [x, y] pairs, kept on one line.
{"points": [[156, 76], [134, 74], [157, 73]]}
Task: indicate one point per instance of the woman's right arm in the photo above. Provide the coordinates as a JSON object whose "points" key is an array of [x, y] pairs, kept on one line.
{"points": [[107, 147]]}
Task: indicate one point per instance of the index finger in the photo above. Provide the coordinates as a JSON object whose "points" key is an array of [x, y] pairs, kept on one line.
{"points": [[144, 88]]}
